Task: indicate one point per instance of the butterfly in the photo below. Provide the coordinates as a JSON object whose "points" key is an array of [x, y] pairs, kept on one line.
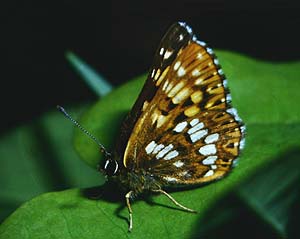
{"points": [[182, 129]]}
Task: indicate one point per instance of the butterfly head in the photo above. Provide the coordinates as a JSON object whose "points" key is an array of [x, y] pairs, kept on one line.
{"points": [[111, 166]]}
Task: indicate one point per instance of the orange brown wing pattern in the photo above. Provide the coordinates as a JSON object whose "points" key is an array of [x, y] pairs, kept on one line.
{"points": [[176, 38], [197, 150], [164, 139]]}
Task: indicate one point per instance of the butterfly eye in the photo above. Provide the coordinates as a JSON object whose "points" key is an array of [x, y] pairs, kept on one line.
{"points": [[111, 167]]}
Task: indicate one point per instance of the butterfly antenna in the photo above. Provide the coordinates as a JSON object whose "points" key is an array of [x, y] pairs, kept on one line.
{"points": [[102, 148]]}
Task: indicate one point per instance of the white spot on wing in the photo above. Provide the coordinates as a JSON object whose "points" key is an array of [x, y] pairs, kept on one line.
{"points": [[161, 119], [216, 61], [242, 143], [202, 43], [228, 97], [170, 179], [149, 148], [165, 85], [233, 112], [235, 162], [195, 72], [164, 151], [181, 71], [198, 135], [158, 148], [196, 128], [199, 81], [194, 122], [225, 83], [213, 166], [180, 127], [209, 160], [180, 37], [243, 129], [178, 164], [220, 71], [209, 173], [189, 30], [176, 88], [176, 66], [211, 138], [167, 54], [171, 155], [152, 73], [161, 52], [209, 50], [208, 149]]}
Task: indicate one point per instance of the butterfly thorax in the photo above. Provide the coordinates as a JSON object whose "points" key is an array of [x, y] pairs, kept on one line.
{"points": [[137, 180]]}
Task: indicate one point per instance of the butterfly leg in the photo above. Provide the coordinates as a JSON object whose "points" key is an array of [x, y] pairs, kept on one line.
{"points": [[128, 196], [174, 201]]}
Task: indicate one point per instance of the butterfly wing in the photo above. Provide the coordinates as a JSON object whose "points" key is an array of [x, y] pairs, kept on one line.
{"points": [[186, 86], [176, 38], [198, 149]]}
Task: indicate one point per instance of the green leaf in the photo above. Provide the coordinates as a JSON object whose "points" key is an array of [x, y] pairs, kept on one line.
{"points": [[274, 191], [104, 120], [93, 79], [38, 158], [229, 218], [262, 94]]}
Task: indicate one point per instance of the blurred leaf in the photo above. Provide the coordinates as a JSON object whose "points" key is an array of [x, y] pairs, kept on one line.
{"points": [[260, 91], [93, 79], [229, 218], [39, 158], [274, 191], [104, 119]]}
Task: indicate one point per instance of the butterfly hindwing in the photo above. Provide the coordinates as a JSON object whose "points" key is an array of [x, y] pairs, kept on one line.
{"points": [[196, 150]]}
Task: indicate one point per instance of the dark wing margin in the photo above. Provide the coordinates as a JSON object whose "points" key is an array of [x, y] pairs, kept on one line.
{"points": [[177, 37]]}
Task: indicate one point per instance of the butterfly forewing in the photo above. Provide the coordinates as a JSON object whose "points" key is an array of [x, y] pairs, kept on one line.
{"points": [[183, 129], [177, 37]]}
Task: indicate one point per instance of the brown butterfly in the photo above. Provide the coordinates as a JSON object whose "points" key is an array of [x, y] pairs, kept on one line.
{"points": [[182, 130]]}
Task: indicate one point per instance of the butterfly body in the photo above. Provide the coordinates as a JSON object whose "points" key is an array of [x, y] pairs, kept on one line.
{"points": [[182, 130], [137, 181]]}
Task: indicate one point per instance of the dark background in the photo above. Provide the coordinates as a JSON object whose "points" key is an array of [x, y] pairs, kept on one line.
{"points": [[119, 39]]}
